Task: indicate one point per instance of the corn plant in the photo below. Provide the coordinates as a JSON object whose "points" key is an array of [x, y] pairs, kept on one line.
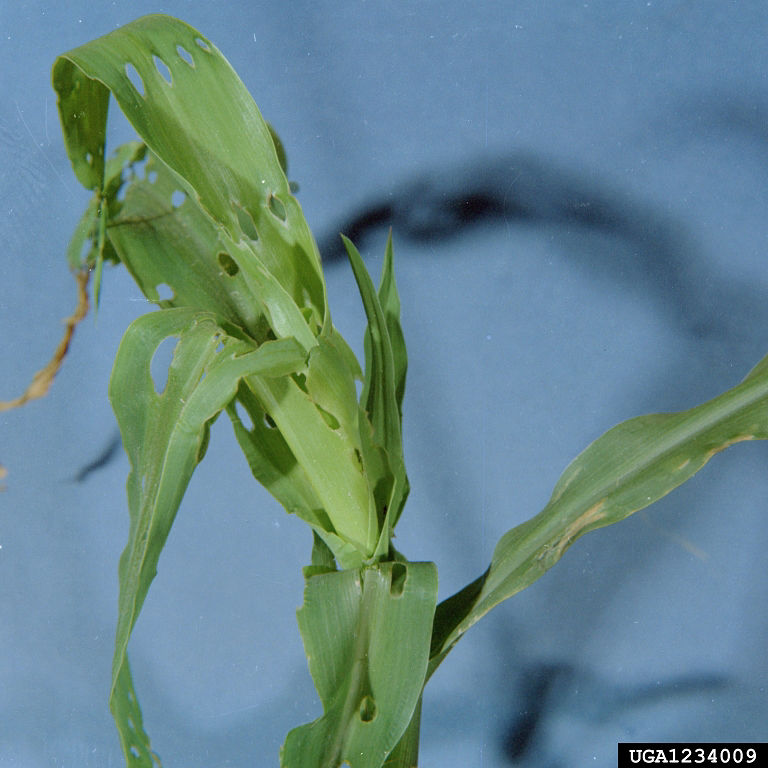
{"points": [[200, 212]]}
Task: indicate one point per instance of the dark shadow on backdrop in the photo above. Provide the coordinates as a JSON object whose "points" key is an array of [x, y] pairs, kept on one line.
{"points": [[653, 254]]}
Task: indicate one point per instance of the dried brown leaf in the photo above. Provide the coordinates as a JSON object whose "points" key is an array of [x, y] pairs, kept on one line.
{"points": [[42, 380]]}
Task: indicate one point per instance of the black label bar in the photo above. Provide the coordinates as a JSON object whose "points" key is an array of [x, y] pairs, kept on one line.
{"points": [[754, 754]]}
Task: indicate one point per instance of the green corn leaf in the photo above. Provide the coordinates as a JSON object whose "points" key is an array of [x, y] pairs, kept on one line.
{"points": [[271, 460], [127, 713], [629, 467], [175, 254], [102, 249], [390, 304], [164, 435], [406, 753], [237, 246], [275, 465], [379, 395], [93, 222], [82, 234], [384, 372], [195, 115], [329, 452], [366, 635]]}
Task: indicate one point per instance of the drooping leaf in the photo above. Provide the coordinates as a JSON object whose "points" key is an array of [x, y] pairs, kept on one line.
{"points": [[366, 635], [164, 434], [193, 112], [632, 465]]}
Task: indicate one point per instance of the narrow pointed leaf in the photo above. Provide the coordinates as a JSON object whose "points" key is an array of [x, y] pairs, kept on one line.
{"points": [[390, 304], [625, 470], [379, 393], [379, 397]]}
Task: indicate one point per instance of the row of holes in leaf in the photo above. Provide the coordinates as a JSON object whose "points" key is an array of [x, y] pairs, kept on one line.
{"points": [[328, 417], [245, 220], [163, 69]]}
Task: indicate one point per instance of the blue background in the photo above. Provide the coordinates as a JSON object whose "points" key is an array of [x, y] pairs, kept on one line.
{"points": [[611, 261]]}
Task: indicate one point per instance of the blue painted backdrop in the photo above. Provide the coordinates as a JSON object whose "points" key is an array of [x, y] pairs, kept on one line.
{"points": [[578, 197]]}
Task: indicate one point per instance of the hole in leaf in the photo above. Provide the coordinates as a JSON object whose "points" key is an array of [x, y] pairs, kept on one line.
{"points": [[177, 198], [276, 207], [162, 68], [269, 421], [139, 168], [228, 264], [89, 158], [152, 177], [164, 292], [328, 417], [186, 55], [134, 752], [161, 362], [243, 415], [246, 222], [399, 577], [203, 44], [367, 709], [135, 78]]}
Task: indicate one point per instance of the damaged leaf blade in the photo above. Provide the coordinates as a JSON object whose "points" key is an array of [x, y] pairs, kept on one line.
{"points": [[631, 466], [227, 164], [164, 435], [366, 634]]}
